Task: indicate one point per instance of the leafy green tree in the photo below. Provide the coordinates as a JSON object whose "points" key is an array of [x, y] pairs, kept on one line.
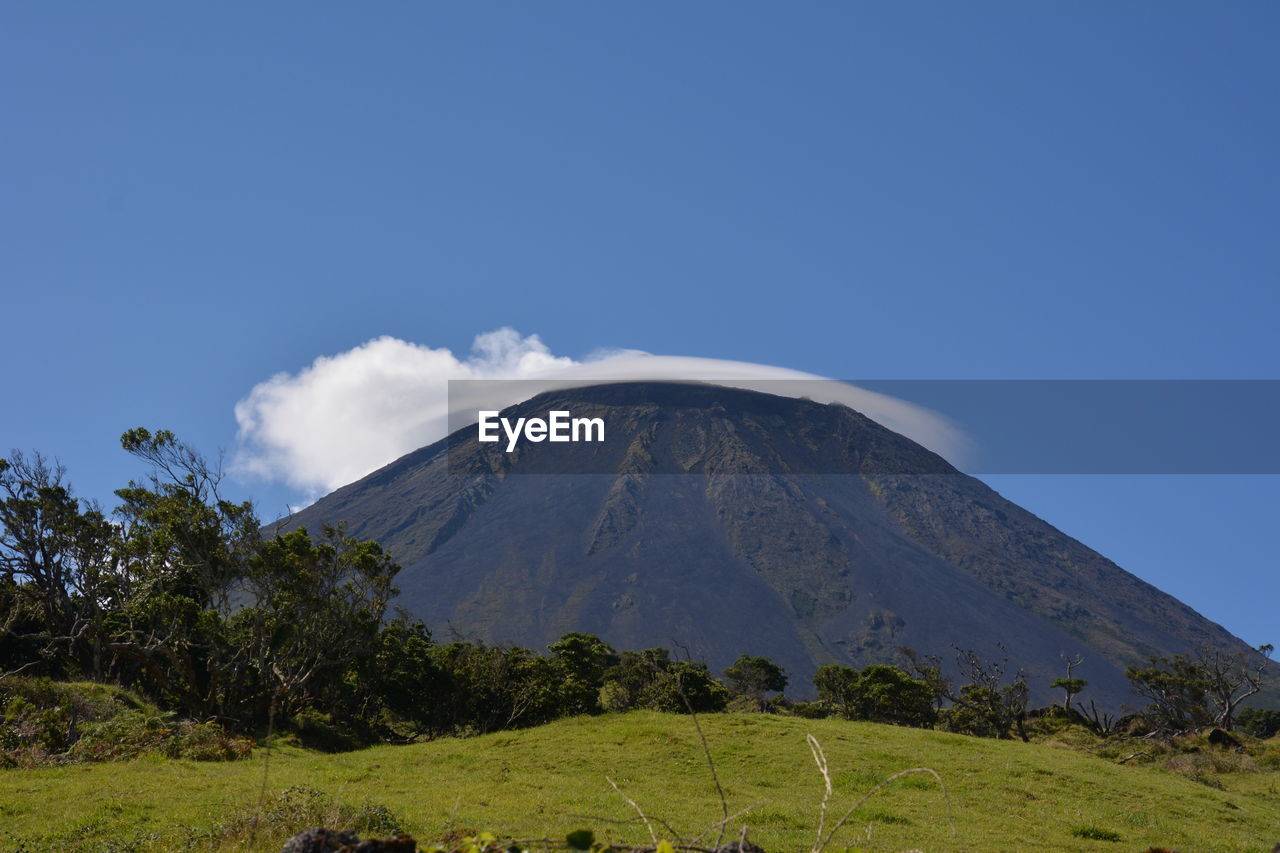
{"points": [[403, 681], [1260, 722], [317, 610], [889, 695], [1070, 685], [1176, 692], [57, 567], [756, 677], [650, 680], [582, 660], [1191, 692], [491, 688], [988, 705], [837, 686], [184, 551], [991, 703], [691, 685], [629, 682], [880, 693]]}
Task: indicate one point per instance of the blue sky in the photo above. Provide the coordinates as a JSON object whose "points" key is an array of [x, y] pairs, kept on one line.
{"points": [[195, 197]]}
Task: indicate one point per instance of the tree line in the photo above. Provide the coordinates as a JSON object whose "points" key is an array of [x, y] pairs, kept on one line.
{"points": [[178, 595]]}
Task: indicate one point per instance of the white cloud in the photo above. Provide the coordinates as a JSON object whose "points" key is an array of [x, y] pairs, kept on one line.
{"points": [[349, 414]]}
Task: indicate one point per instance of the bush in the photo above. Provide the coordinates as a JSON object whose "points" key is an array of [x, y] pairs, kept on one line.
{"points": [[650, 680], [136, 733], [809, 710], [292, 810], [322, 732], [879, 693], [1259, 722], [47, 721]]}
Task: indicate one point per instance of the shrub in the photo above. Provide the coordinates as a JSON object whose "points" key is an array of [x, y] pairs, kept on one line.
{"points": [[1260, 722], [880, 693], [136, 733], [322, 732], [292, 810]]}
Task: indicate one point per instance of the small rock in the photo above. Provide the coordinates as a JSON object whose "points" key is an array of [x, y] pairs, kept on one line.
{"points": [[1218, 737]]}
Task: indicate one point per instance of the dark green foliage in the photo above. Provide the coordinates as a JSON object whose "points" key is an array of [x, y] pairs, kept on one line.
{"points": [[182, 599], [185, 601], [650, 680], [494, 687], [405, 681], [55, 569], [1191, 692], [991, 702], [318, 607], [47, 721], [880, 693], [1094, 833], [326, 733], [755, 678], [1176, 692], [1071, 687], [581, 661], [838, 687], [1260, 722], [986, 711]]}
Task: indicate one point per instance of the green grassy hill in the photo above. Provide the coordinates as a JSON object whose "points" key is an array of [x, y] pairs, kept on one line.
{"points": [[548, 781]]}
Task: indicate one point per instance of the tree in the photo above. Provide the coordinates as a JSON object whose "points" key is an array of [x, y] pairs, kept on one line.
{"points": [[57, 563], [582, 660], [184, 552], [317, 609], [1260, 722], [649, 679], [1175, 689], [1232, 678], [1188, 693], [993, 707], [889, 695], [880, 693], [403, 679], [490, 688], [985, 705], [928, 669], [689, 687], [1069, 685], [837, 686], [756, 677]]}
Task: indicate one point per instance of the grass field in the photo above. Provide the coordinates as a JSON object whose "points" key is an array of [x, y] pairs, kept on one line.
{"points": [[547, 781]]}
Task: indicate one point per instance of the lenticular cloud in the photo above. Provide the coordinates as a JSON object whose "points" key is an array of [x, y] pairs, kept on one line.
{"points": [[349, 414]]}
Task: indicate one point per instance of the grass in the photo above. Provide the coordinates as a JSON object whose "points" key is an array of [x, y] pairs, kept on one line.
{"points": [[550, 780]]}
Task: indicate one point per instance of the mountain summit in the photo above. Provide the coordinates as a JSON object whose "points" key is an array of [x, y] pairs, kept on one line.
{"points": [[728, 521]]}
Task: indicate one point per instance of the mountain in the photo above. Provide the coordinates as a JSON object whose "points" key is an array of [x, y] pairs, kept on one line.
{"points": [[727, 521]]}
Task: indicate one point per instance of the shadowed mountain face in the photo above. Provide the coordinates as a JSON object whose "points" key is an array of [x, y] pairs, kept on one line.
{"points": [[711, 530]]}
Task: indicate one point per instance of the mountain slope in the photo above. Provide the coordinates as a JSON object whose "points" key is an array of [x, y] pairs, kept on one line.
{"points": [[729, 521]]}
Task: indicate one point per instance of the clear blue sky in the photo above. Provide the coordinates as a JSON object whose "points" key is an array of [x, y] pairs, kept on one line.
{"points": [[196, 196]]}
